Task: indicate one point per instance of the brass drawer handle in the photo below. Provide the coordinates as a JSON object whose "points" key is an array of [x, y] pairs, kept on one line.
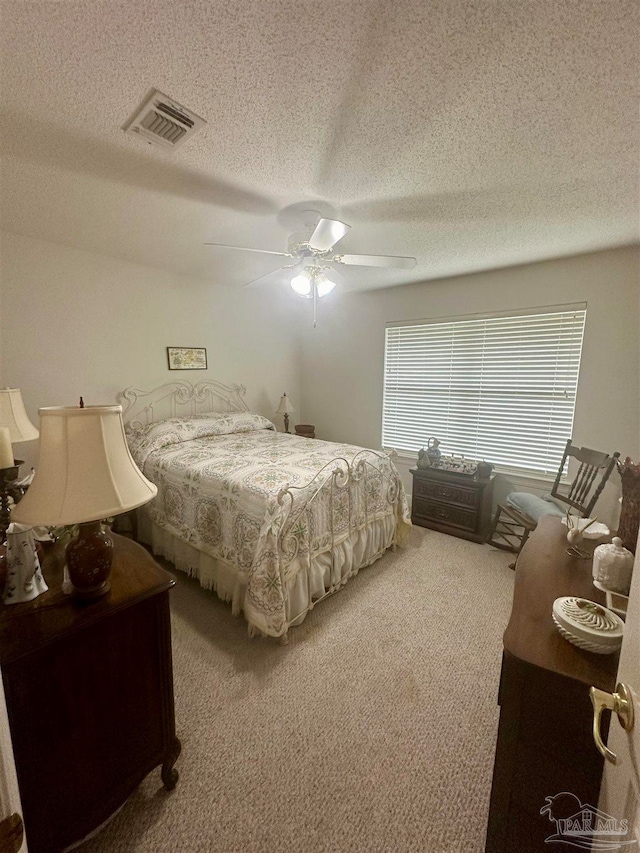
{"points": [[620, 703]]}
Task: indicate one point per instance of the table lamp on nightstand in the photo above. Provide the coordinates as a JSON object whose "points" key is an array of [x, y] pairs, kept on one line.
{"points": [[85, 474], [285, 408], [15, 427]]}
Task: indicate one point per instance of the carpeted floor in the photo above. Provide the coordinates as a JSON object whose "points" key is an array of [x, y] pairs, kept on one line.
{"points": [[374, 730]]}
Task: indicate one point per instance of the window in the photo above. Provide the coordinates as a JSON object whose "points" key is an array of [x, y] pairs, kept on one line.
{"points": [[499, 388]]}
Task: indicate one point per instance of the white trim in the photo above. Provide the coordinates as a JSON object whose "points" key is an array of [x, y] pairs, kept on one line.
{"points": [[9, 792]]}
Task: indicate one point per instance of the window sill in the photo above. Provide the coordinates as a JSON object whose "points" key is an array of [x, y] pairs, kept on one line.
{"points": [[518, 478]]}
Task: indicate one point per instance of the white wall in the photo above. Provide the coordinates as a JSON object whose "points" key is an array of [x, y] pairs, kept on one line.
{"points": [[343, 358], [75, 323]]}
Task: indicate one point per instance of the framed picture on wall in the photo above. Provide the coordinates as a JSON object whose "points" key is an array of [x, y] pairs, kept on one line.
{"points": [[187, 358]]}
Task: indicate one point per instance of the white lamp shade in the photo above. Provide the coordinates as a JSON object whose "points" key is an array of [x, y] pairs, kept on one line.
{"points": [[85, 470], [324, 285], [301, 283], [14, 416], [285, 407]]}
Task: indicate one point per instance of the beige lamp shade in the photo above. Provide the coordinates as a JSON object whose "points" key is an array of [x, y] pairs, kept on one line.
{"points": [[285, 407], [85, 470], [14, 416]]}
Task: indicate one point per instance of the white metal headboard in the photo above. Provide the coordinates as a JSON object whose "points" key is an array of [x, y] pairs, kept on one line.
{"points": [[180, 399]]}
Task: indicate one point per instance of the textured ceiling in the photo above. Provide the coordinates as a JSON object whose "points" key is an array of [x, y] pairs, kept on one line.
{"points": [[469, 134]]}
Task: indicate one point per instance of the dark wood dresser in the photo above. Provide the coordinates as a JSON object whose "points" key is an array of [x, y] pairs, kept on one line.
{"points": [[451, 503], [545, 745], [89, 690]]}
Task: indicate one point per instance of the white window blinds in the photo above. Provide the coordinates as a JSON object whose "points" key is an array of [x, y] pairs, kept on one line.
{"points": [[496, 388]]}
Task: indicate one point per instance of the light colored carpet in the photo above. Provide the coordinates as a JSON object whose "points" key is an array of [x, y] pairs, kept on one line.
{"points": [[374, 730]]}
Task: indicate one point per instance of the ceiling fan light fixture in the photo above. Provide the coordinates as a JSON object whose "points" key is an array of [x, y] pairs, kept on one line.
{"points": [[324, 285], [301, 283], [316, 253]]}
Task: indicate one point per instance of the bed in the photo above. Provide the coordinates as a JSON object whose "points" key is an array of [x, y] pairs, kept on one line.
{"points": [[273, 522]]}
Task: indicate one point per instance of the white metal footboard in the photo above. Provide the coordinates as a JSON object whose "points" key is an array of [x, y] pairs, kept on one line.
{"points": [[350, 495]]}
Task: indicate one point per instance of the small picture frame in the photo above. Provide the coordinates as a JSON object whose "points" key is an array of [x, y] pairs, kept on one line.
{"points": [[187, 358]]}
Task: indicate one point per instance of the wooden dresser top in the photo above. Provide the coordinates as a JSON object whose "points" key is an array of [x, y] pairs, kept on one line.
{"points": [[544, 572], [135, 575]]}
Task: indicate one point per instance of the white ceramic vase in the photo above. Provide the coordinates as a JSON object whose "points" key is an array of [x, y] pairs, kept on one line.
{"points": [[24, 575]]}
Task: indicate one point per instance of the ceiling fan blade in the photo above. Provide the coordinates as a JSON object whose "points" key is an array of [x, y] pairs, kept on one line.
{"points": [[268, 278], [246, 249], [327, 233], [274, 276], [376, 261]]}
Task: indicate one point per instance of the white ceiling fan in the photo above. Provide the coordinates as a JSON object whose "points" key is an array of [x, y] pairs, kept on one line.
{"points": [[315, 255]]}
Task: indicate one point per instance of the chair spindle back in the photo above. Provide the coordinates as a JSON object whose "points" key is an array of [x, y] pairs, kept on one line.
{"points": [[591, 462]]}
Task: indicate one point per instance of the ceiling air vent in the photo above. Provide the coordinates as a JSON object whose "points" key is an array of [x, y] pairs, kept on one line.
{"points": [[163, 121]]}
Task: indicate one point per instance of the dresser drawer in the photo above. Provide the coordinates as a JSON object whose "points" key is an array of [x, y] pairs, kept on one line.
{"points": [[445, 513], [450, 493]]}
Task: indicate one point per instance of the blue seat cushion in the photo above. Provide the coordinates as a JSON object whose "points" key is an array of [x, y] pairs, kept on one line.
{"points": [[533, 506]]}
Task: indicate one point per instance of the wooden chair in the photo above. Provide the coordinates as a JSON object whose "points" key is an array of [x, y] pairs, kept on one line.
{"points": [[518, 516]]}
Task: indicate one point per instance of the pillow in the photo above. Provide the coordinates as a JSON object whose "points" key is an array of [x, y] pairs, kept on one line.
{"points": [[534, 506], [147, 428], [146, 439], [547, 497]]}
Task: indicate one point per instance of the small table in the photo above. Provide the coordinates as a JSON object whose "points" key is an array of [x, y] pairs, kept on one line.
{"points": [[89, 691], [453, 503], [545, 744]]}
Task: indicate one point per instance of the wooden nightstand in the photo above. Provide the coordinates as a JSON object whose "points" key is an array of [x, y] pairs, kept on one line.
{"points": [[89, 691], [451, 503]]}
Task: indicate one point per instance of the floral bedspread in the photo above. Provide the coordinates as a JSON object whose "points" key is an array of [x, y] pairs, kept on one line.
{"points": [[219, 478]]}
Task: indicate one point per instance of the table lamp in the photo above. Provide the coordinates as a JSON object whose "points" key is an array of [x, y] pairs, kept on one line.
{"points": [[15, 427], [85, 474], [285, 408]]}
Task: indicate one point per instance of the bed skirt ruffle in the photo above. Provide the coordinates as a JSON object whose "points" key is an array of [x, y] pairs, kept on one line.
{"points": [[306, 584]]}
